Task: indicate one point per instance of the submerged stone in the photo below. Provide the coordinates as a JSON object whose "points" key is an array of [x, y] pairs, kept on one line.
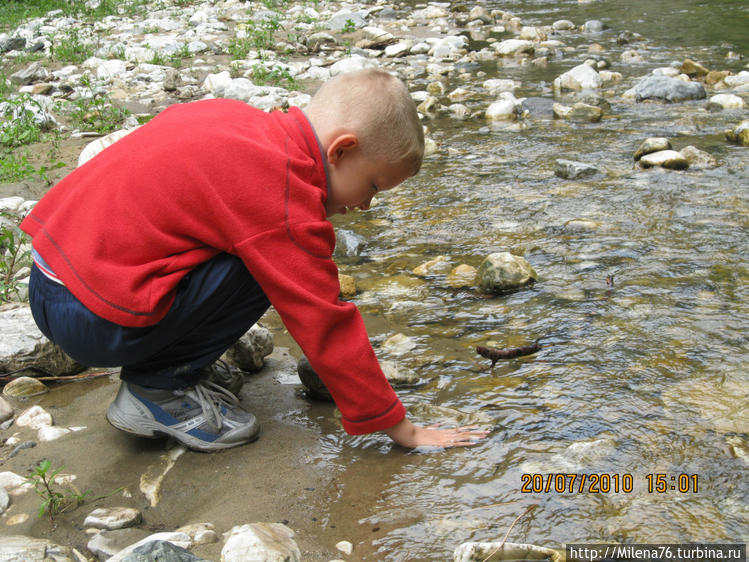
{"points": [[665, 159], [665, 88], [569, 169], [480, 551], [503, 271], [652, 144], [698, 159]]}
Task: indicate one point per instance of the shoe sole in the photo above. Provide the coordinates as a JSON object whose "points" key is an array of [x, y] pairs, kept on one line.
{"points": [[154, 430]]}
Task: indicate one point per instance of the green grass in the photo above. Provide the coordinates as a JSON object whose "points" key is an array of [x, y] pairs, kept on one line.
{"points": [[69, 47], [19, 127]]}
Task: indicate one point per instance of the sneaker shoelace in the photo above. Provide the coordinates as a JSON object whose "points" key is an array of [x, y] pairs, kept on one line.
{"points": [[211, 397]]}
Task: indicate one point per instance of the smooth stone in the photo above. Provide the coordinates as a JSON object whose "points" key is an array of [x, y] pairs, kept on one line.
{"points": [[348, 286], [593, 26], [563, 25], [351, 64], [669, 159], [345, 546], [436, 266], [581, 225], [506, 109], [693, 69], [579, 112], [698, 159], [265, 541], [461, 276], [312, 381], [397, 375], [24, 387], [111, 518], [249, 352], [200, 533], [498, 85], [35, 417], [51, 433], [6, 410], [570, 169], [719, 102], [399, 344], [479, 551], [161, 551], [512, 47], [14, 484], [503, 271], [581, 77], [4, 500], [18, 548], [178, 539], [652, 144], [665, 88]]}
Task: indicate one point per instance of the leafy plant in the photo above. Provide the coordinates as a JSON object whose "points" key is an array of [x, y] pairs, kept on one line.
{"points": [[19, 126], [70, 47], [259, 36], [54, 501], [276, 76], [349, 26], [13, 256], [96, 110]]}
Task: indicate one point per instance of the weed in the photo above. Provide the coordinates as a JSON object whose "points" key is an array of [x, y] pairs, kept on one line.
{"points": [[276, 76], [20, 126], [349, 26], [259, 36], [13, 255], [54, 502], [70, 47], [97, 110]]}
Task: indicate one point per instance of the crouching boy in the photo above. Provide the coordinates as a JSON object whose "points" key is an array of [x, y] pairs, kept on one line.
{"points": [[161, 251]]}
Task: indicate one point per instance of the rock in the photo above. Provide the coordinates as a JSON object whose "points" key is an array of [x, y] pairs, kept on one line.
{"points": [[398, 376], [250, 351], [200, 533], [18, 548], [665, 88], [715, 76], [4, 500], [14, 484], [51, 433], [6, 410], [461, 276], [506, 109], [693, 69], [24, 347], [399, 49], [503, 271], [217, 83], [265, 541], [351, 64], [665, 159], [437, 266], [479, 551], [35, 72], [28, 109], [698, 159], [344, 19], [171, 80], [399, 344], [497, 85], [443, 414], [161, 551], [513, 47], [35, 417], [652, 144], [593, 26], [177, 539], [113, 518], [538, 108], [311, 380], [113, 68], [581, 225], [569, 169], [581, 77], [320, 41], [429, 106], [348, 286], [580, 112], [532, 33], [725, 101], [563, 25], [95, 147], [736, 80], [459, 111], [349, 243], [12, 44], [345, 546], [24, 387], [740, 134]]}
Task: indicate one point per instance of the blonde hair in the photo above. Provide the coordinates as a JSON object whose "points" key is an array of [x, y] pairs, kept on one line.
{"points": [[378, 108]]}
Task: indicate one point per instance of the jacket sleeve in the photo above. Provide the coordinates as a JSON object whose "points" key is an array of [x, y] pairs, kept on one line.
{"points": [[294, 267]]}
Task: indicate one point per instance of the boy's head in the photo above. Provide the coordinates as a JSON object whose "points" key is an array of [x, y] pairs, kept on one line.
{"points": [[370, 131]]}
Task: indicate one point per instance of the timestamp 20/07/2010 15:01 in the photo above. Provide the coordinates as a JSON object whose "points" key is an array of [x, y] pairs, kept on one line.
{"points": [[605, 483]]}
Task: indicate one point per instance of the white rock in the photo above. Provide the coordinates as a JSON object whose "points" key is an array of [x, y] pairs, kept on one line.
{"points": [[510, 47], [11, 204], [217, 83], [532, 33], [497, 85], [739, 79], [260, 542], [95, 147], [351, 64], [51, 433], [178, 539], [114, 68], [6, 410], [14, 484], [113, 518], [35, 417], [399, 49], [399, 344], [345, 546], [582, 77], [505, 109], [727, 101]]}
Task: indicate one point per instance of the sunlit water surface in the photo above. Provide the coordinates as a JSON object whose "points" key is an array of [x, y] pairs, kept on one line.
{"points": [[645, 375]]}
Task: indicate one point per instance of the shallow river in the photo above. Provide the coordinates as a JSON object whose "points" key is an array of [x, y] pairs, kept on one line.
{"points": [[644, 376]]}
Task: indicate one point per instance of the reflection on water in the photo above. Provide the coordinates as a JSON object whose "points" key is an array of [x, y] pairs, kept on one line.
{"points": [[648, 375]]}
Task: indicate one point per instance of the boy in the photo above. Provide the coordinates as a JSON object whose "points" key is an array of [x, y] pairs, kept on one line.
{"points": [[161, 251]]}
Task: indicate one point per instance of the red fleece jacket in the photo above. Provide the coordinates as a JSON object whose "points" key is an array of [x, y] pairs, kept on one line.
{"points": [[208, 177]]}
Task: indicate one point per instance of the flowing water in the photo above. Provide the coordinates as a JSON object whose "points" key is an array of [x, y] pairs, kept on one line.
{"points": [[643, 376]]}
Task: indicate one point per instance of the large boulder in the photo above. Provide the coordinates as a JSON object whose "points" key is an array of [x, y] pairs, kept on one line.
{"points": [[23, 346], [504, 271], [250, 351], [665, 88], [582, 77]]}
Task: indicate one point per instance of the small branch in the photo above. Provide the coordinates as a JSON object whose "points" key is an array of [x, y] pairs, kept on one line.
{"points": [[502, 544]]}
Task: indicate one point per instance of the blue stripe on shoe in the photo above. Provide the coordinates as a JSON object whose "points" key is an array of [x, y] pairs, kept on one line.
{"points": [[165, 419]]}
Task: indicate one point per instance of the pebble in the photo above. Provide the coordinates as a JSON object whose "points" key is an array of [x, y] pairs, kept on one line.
{"points": [[462, 276], [113, 518], [570, 169], [35, 417], [24, 387], [581, 77], [345, 546]]}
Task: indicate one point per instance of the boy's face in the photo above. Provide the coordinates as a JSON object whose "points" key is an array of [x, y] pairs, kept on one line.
{"points": [[355, 178]]}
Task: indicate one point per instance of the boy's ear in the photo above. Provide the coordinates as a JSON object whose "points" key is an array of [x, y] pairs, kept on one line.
{"points": [[340, 145]]}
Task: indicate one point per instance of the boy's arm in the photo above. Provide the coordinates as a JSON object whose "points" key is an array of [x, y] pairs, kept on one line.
{"points": [[409, 435]]}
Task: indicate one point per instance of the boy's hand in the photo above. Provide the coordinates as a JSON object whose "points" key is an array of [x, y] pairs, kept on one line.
{"points": [[409, 435]]}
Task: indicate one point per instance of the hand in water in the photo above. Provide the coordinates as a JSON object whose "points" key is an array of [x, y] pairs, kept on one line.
{"points": [[409, 435]]}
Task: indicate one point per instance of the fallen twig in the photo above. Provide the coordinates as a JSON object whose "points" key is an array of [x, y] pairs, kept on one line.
{"points": [[504, 540]]}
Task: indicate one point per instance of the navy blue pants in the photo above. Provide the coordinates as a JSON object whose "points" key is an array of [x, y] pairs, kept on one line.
{"points": [[216, 304]]}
